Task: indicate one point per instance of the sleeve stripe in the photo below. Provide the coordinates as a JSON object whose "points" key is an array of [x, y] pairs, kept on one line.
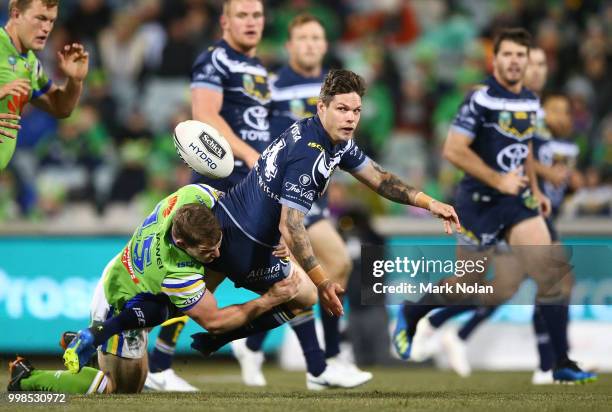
{"points": [[212, 195], [462, 130], [293, 205], [204, 85], [188, 290], [360, 166], [182, 278], [43, 90], [178, 284], [185, 295]]}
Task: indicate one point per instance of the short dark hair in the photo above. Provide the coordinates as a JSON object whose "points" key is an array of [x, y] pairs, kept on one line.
{"points": [[517, 35], [23, 5], [340, 81], [196, 224], [300, 20], [554, 94], [226, 6]]}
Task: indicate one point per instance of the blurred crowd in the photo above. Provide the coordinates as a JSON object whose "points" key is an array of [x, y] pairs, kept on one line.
{"points": [[419, 58]]}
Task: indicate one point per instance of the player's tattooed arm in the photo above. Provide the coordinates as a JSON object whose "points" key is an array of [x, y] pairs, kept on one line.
{"points": [[295, 235], [386, 184]]}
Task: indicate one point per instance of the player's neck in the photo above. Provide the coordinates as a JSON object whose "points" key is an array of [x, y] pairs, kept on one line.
{"points": [[305, 72], [250, 51], [514, 88], [12, 32]]}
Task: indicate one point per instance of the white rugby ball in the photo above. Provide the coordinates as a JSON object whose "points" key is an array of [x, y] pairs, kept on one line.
{"points": [[203, 149]]}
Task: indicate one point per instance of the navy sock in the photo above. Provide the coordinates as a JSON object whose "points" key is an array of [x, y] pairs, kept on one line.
{"points": [[555, 319], [255, 342], [413, 312], [482, 313], [136, 314], [161, 356], [331, 332], [545, 349], [441, 316], [304, 327]]}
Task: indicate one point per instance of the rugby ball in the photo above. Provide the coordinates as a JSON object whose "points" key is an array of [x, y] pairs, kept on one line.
{"points": [[203, 149]]}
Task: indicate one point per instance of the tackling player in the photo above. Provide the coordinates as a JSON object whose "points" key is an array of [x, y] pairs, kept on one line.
{"points": [[22, 76], [490, 141], [295, 90]]}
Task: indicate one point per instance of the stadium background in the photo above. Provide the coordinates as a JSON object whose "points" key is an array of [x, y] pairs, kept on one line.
{"points": [[76, 188]]}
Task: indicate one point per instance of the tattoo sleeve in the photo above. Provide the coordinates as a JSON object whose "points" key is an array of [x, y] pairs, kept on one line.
{"points": [[392, 188], [299, 243]]}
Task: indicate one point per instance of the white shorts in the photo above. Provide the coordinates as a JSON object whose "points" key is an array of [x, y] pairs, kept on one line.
{"points": [[131, 344]]}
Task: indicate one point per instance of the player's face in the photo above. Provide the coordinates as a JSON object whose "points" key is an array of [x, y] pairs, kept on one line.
{"points": [[243, 24], [34, 25], [307, 46], [537, 71], [206, 253], [558, 115], [341, 117], [510, 62]]}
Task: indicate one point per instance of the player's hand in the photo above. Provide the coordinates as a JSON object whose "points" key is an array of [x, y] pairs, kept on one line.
{"points": [[285, 290], [73, 61], [281, 250], [544, 203], [558, 175], [8, 125], [446, 213], [329, 297], [512, 182], [15, 88]]}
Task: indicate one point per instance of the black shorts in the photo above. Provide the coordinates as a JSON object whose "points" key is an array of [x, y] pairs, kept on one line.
{"points": [[246, 262], [485, 219]]}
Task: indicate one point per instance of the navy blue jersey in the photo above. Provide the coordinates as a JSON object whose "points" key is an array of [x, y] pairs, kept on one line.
{"points": [[294, 97], [243, 81], [501, 124], [551, 151], [293, 171]]}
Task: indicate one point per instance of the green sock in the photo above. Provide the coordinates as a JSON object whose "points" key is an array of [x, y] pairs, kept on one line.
{"points": [[88, 380]]}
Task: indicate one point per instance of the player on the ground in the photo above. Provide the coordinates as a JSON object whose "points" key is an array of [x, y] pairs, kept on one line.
{"points": [[490, 142], [295, 91], [159, 273], [22, 77], [229, 90], [272, 201]]}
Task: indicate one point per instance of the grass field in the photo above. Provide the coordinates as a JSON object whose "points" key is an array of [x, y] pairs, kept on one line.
{"points": [[392, 389]]}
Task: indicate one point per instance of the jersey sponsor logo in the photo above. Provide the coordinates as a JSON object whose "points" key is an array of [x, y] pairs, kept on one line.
{"points": [[187, 264], [295, 132], [265, 188], [202, 155], [257, 118], [326, 167], [127, 263], [300, 191], [212, 145], [512, 156], [17, 103], [194, 298], [208, 73], [171, 204], [269, 156], [263, 273], [158, 259], [141, 256], [315, 145], [248, 83], [305, 180]]}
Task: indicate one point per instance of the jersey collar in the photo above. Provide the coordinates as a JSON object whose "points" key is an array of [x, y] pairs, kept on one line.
{"points": [[4, 33]]}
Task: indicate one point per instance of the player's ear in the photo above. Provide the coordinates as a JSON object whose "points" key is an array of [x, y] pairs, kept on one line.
{"points": [[223, 21]]}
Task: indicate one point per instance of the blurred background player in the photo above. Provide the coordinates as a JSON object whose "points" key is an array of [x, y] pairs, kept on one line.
{"points": [[490, 141], [23, 78], [295, 91], [229, 90]]}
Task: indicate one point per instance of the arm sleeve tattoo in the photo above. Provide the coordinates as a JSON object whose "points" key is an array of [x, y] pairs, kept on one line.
{"points": [[392, 188], [299, 244]]}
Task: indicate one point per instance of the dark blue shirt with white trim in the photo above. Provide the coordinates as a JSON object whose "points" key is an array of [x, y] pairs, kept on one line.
{"points": [[294, 171]]}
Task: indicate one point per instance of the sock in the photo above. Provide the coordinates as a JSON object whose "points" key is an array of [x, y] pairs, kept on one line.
{"points": [[482, 313], [545, 349], [555, 319], [413, 312], [136, 314], [161, 356], [331, 332], [304, 327], [438, 318], [88, 380], [208, 343], [255, 342]]}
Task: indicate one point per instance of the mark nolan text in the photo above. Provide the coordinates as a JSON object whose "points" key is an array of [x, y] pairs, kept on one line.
{"points": [[403, 288]]}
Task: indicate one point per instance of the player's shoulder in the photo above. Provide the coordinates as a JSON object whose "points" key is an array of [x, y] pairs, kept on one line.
{"points": [[197, 193]]}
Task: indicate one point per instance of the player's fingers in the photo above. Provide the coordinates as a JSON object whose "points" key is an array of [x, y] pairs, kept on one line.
{"points": [[10, 126], [447, 228], [9, 116], [7, 134]]}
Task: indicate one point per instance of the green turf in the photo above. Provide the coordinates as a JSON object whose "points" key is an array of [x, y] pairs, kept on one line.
{"points": [[406, 389]]}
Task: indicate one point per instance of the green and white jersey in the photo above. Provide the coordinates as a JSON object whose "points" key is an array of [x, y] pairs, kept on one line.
{"points": [[15, 65], [151, 262]]}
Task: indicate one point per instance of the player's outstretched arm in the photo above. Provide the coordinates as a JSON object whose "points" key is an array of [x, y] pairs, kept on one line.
{"points": [[73, 61], [530, 171], [205, 107], [217, 320], [295, 236], [393, 188]]}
